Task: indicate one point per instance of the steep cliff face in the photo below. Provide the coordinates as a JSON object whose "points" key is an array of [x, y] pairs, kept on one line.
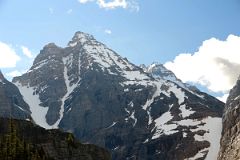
{"points": [[25, 140], [102, 98], [230, 141], [11, 101]]}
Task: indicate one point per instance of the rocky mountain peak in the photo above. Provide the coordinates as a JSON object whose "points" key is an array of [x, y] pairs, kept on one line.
{"points": [[102, 98], [50, 45], [143, 66], [80, 38], [50, 52], [48, 49], [158, 70]]}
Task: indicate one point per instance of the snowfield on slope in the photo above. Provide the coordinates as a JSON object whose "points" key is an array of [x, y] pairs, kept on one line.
{"points": [[38, 112]]}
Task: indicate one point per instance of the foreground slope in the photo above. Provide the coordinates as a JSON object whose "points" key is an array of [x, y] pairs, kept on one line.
{"points": [[102, 98], [230, 141], [21, 140]]}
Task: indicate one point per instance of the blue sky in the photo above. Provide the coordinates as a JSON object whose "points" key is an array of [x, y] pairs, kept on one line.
{"points": [[143, 31]]}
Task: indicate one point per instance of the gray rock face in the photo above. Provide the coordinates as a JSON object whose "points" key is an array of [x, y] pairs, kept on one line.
{"points": [[102, 98], [46, 76], [230, 140], [11, 101]]}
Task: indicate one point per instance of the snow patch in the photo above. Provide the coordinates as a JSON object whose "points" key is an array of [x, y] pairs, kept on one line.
{"points": [[66, 61], [135, 76], [178, 92], [126, 90], [20, 108], [73, 44], [38, 112], [111, 125], [184, 135], [116, 148], [138, 90], [131, 104], [189, 122], [148, 103], [132, 116], [157, 92], [127, 110], [200, 154], [38, 65], [185, 112], [213, 127], [162, 127]]}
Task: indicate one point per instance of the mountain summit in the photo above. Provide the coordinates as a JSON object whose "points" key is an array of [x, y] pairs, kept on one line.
{"points": [[89, 90], [80, 38]]}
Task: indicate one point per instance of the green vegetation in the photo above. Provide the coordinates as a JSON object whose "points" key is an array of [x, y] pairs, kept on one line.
{"points": [[13, 148], [22, 140]]}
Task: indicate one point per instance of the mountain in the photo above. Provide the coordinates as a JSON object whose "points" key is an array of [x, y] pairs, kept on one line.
{"points": [[11, 101], [21, 140], [158, 70], [230, 140], [91, 91]]}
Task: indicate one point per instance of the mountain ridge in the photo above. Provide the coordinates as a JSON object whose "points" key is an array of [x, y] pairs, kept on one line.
{"points": [[102, 98]]}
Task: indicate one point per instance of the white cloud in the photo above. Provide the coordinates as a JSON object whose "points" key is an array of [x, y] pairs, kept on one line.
{"points": [[8, 57], [113, 4], [69, 11], [133, 6], [108, 31], [223, 98], [26, 52], [14, 73], [85, 1], [51, 10], [215, 65], [125, 4]]}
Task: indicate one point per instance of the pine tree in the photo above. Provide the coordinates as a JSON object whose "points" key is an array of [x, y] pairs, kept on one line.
{"points": [[13, 148]]}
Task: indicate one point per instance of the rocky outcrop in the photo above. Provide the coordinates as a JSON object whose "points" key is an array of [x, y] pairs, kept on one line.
{"points": [[47, 144], [230, 140], [91, 91], [11, 101], [158, 70]]}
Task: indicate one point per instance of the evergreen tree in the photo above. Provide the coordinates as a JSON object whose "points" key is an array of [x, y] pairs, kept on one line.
{"points": [[13, 148]]}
